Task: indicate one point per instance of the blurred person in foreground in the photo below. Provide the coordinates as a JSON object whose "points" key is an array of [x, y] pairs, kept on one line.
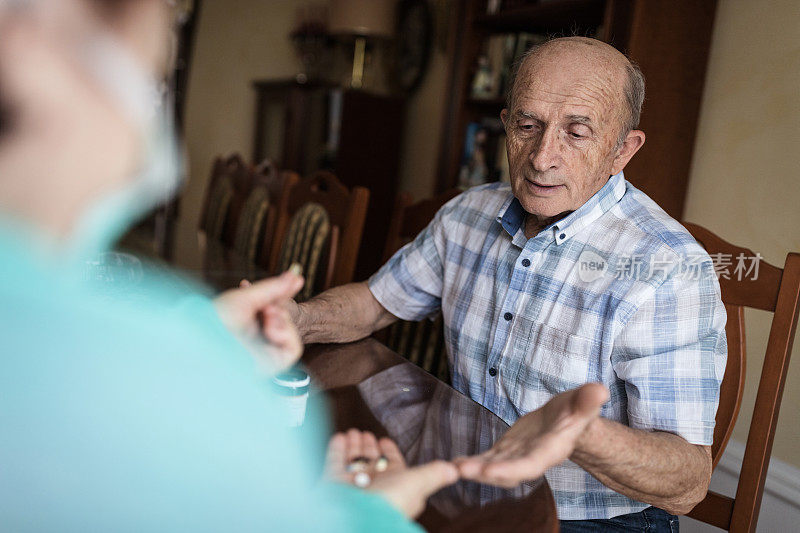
{"points": [[137, 414]]}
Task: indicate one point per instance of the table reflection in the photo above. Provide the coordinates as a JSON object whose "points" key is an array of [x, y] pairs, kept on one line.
{"points": [[429, 421]]}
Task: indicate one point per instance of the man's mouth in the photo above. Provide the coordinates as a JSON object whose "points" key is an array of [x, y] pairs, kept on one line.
{"points": [[542, 188]]}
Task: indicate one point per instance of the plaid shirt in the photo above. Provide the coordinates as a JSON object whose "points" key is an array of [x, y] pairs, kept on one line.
{"points": [[617, 292]]}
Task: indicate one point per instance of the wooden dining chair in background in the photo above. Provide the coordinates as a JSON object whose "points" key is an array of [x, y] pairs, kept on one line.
{"points": [[778, 291], [241, 178], [257, 223], [408, 219], [420, 342], [217, 200], [321, 229]]}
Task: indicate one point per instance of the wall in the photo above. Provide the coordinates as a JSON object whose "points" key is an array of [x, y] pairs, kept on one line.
{"points": [[423, 129], [236, 42], [745, 181]]}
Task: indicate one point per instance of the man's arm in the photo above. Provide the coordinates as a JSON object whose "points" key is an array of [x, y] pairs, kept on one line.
{"points": [[410, 284], [655, 467], [341, 314]]}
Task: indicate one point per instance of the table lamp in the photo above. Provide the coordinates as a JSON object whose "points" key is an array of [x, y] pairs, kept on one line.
{"points": [[361, 21]]}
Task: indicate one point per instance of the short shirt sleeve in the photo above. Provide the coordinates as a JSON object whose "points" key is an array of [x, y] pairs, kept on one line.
{"points": [[671, 355], [410, 284]]}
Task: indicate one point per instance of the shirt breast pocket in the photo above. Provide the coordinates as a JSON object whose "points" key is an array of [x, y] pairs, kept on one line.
{"points": [[551, 361]]}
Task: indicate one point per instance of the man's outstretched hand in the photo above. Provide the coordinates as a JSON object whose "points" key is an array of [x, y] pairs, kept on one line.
{"points": [[540, 439]]}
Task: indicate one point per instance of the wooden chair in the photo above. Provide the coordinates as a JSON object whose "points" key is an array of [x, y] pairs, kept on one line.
{"points": [[775, 290], [321, 229], [216, 203], [258, 218], [409, 219], [420, 342], [241, 178]]}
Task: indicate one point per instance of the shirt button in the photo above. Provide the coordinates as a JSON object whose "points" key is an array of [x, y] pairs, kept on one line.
{"points": [[562, 236], [493, 371], [526, 263], [508, 316]]}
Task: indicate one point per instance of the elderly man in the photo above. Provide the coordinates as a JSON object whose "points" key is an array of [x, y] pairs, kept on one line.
{"points": [[569, 276]]}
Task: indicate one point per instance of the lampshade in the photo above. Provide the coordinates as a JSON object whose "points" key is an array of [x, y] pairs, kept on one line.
{"points": [[370, 18]]}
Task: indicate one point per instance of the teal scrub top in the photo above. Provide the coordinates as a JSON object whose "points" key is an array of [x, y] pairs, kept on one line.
{"points": [[126, 411]]}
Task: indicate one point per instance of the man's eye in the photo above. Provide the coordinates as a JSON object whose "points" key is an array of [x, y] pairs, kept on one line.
{"points": [[578, 132], [526, 126]]}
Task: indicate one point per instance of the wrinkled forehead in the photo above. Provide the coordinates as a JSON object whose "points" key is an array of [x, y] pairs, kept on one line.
{"points": [[573, 76]]}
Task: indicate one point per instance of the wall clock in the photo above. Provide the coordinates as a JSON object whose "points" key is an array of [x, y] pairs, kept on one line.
{"points": [[414, 38]]}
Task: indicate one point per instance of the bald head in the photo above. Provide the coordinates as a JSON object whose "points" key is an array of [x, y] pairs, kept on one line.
{"points": [[584, 56]]}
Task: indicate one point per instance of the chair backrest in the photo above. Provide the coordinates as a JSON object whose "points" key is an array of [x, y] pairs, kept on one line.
{"points": [[257, 222], [321, 229], [766, 287], [241, 179], [219, 194], [420, 342], [409, 219]]}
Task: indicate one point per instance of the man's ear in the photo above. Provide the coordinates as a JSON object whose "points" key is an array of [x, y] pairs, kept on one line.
{"points": [[633, 141], [504, 117]]}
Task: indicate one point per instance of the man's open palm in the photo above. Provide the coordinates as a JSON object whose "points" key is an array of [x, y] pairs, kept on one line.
{"points": [[539, 440]]}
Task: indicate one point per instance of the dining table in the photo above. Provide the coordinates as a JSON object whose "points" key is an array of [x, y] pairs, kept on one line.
{"points": [[369, 387]]}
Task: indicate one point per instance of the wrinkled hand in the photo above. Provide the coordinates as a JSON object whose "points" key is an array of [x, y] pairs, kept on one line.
{"points": [[293, 310], [405, 488], [256, 311], [539, 440]]}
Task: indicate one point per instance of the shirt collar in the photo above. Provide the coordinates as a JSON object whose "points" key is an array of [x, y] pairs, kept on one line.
{"points": [[511, 215]]}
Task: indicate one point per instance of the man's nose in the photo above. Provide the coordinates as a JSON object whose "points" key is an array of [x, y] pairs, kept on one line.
{"points": [[546, 153]]}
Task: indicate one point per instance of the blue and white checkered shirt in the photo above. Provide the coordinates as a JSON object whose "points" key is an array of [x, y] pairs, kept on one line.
{"points": [[616, 292]]}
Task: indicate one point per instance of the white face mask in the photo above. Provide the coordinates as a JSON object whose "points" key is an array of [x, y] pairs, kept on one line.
{"points": [[159, 171]]}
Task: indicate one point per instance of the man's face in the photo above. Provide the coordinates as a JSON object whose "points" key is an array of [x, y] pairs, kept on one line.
{"points": [[563, 129]]}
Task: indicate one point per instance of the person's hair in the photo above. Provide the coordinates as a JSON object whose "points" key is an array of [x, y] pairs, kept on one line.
{"points": [[634, 89]]}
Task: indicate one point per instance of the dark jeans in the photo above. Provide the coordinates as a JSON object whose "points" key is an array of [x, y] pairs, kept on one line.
{"points": [[651, 520]]}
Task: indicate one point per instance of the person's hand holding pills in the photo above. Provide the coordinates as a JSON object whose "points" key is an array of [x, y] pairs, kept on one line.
{"points": [[255, 312], [358, 458]]}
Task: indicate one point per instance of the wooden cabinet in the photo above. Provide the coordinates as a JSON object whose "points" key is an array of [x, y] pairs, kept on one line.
{"points": [[669, 39], [355, 134]]}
